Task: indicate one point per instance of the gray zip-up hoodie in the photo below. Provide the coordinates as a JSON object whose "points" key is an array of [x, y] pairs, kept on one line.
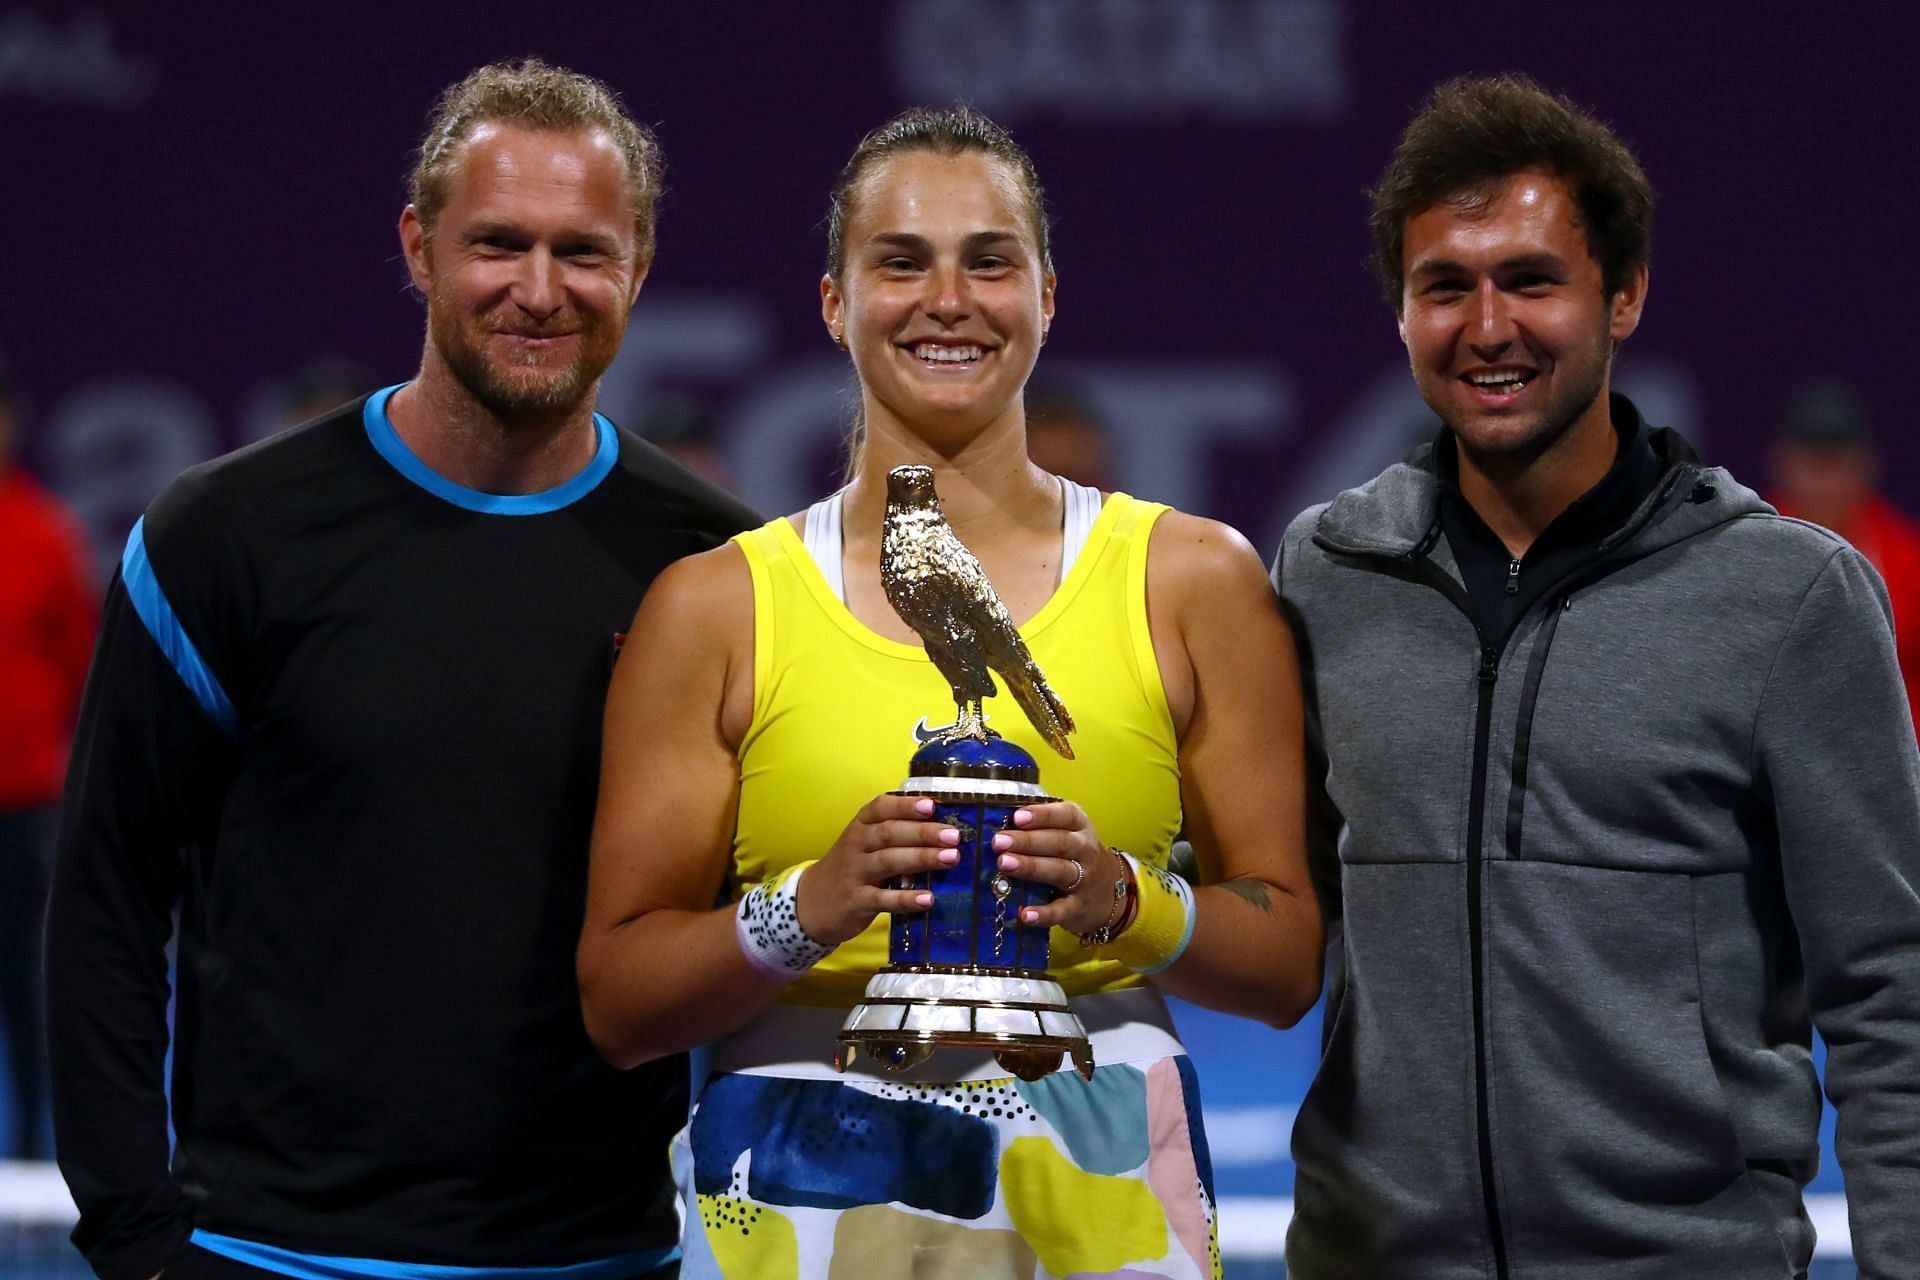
{"points": [[1585, 891]]}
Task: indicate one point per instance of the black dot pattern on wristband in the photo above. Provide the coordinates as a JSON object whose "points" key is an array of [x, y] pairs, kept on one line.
{"points": [[1168, 882], [770, 928]]}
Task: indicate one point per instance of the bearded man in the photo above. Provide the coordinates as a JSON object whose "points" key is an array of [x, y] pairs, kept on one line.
{"points": [[345, 713], [1618, 795]]}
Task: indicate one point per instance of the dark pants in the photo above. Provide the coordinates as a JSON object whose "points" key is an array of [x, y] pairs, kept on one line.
{"points": [[26, 854]]}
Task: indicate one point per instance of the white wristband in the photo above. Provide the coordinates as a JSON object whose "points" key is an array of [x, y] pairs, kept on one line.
{"points": [[768, 927]]}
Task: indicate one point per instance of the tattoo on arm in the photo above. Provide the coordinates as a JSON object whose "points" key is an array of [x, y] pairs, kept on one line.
{"points": [[1252, 890]]}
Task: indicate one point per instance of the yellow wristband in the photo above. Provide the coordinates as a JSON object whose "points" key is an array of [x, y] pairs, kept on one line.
{"points": [[1162, 922]]}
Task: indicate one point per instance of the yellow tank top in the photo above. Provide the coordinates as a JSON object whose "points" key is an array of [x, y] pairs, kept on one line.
{"points": [[835, 706]]}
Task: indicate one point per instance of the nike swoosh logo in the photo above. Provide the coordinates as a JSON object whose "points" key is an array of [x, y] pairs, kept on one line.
{"points": [[924, 733]]}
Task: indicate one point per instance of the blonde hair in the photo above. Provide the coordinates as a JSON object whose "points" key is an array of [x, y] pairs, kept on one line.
{"points": [[534, 95]]}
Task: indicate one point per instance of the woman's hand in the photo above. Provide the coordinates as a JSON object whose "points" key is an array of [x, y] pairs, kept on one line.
{"points": [[839, 896], [1055, 844]]}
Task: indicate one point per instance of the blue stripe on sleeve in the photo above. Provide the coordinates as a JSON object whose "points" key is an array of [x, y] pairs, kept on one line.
{"points": [[150, 602], [322, 1266]]}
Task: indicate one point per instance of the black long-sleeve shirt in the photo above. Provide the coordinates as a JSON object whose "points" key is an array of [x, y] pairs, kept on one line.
{"points": [[347, 715]]}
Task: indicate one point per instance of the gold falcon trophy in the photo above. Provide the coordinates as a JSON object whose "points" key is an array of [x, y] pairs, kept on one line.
{"points": [[966, 973]]}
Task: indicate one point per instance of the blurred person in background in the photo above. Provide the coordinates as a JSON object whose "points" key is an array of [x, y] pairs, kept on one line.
{"points": [[1616, 795], [1826, 469], [317, 388], [345, 711], [683, 430], [781, 689], [47, 619], [1065, 436]]}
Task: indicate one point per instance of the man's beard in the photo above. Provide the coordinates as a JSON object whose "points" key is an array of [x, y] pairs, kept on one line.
{"points": [[1569, 405], [532, 389]]}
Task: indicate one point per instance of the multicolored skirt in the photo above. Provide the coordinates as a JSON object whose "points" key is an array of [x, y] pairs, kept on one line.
{"points": [[798, 1174]]}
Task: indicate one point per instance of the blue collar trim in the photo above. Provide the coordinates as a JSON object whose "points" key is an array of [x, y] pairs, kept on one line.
{"points": [[321, 1266], [387, 442]]}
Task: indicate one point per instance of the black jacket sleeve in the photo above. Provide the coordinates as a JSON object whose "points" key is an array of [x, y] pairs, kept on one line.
{"points": [[148, 771]]}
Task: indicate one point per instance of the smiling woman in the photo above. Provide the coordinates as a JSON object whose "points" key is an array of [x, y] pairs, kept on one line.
{"points": [[948, 153], [775, 681], [944, 300]]}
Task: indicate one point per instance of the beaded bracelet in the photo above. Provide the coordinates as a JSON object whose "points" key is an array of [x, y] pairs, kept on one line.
{"points": [[1162, 924], [767, 925]]}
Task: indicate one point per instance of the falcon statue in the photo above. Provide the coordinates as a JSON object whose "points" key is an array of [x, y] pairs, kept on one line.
{"points": [[939, 589]]}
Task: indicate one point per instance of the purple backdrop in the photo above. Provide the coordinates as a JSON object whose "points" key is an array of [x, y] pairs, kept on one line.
{"points": [[199, 205]]}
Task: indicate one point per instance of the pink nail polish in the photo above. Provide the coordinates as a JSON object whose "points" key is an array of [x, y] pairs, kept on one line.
{"points": [[923, 807], [949, 856], [923, 899], [1021, 817], [1003, 841], [1030, 916]]}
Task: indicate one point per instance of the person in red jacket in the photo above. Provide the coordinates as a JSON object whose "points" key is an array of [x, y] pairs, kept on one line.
{"points": [[47, 620], [1826, 470]]}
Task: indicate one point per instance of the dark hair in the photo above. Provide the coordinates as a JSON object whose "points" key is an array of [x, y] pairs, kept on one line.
{"points": [[947, 131], [534, 95], [1473, 134]]}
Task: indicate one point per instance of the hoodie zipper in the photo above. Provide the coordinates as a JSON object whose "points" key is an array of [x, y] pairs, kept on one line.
{"points": [[1486, 676]]}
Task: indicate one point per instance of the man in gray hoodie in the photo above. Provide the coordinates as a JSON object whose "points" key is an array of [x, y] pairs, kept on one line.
{"points": [[1617, 794]]}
